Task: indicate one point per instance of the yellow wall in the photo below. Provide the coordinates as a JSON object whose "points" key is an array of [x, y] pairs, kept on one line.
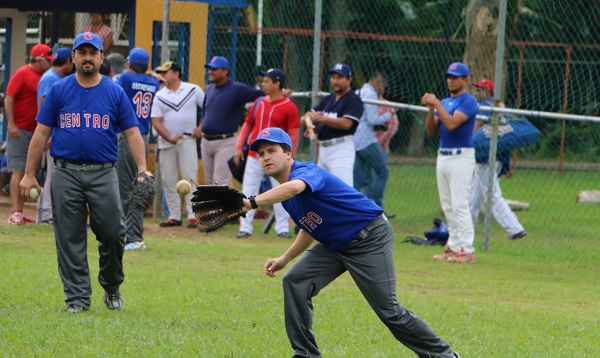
{"points": [[149, 11]]}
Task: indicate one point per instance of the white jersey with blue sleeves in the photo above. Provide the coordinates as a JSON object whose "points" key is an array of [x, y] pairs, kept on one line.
{"points": [[86, 120], [325, 208]]}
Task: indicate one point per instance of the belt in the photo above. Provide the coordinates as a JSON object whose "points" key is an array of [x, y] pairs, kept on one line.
{"points": [[449, 151], [83, 166], [362, 234], [217, 136], [334, 141]]}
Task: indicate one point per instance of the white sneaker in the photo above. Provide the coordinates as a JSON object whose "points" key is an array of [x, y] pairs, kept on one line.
{"points": [[137, 245]]}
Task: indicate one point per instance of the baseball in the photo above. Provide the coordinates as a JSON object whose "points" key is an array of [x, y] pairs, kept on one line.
{"points": [[183, 187], [33, 194]]}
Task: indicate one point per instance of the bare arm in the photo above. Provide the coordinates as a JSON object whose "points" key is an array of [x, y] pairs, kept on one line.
{"points": [[9, 105], [303, 241], [137, 147], [431, 125], [451, 121], [34, 155], [337, 123]]}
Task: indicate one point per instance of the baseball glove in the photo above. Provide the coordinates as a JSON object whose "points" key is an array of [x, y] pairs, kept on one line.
{"points": [[142, 193], [215, 205]]}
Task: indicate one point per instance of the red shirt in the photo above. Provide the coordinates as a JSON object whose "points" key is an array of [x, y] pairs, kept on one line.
{"points": [[23, 87], [281, 113]]}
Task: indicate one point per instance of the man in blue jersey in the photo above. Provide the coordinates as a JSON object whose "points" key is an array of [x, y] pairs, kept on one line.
{"points": [[62, 65], [221, 118], [140, 89], [336, 118], [86, 111], [454, 119], [352, 234]]}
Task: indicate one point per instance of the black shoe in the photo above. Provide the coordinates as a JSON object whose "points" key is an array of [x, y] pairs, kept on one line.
{"points": [[113, 300], [170, 222], [76, 308], [284, 235], [243, 235]]}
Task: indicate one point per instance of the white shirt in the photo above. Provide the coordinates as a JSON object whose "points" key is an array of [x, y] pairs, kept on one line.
{"points": [[178, 109]]}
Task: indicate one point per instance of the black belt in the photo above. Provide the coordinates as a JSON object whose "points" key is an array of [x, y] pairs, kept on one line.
{"points": [[362, 234], [217, 136], [83, 166], [449, 151]]}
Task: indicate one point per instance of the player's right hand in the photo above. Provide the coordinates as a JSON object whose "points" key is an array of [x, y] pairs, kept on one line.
{"points": [[238, 156], [274, 265], [26, 184]]}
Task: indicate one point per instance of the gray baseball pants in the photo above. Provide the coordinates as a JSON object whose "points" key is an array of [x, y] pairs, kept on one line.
{"points": [[127, 171], [73, 192], [369, 260]]}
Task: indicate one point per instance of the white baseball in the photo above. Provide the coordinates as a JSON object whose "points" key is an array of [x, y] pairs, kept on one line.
{"points": [[33, 194], [183, 187]]}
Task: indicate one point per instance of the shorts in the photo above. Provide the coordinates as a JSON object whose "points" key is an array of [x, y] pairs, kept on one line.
{"points": [[17, 149]]}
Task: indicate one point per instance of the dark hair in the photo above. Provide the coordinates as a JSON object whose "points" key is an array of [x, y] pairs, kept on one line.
{"points": [[105, 68], [286, 148], [139, 69], [57, 62]]}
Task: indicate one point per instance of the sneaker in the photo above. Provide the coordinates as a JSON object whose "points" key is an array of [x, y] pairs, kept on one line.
{"points": [[446, 255], [170, 222], [518, 235], [284, 235], [462, 257], [136, 245], [76, 308], [456, 355], [113, 300], [243, 235], [16, 218], [27, 219], [192, 223]]}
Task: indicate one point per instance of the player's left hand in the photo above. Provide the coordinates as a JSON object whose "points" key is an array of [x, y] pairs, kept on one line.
{"points": [[274, 265]]}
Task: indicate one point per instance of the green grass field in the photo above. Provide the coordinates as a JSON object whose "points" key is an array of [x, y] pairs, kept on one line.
{"points": [[196, 295]]}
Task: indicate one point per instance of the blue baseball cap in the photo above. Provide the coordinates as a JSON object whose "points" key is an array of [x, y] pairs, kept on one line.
{"points": [[342, 69], [63, 53], [88, 38], [458, 69], [218, 62], [139, 57], [276, 74], [273, 135]]}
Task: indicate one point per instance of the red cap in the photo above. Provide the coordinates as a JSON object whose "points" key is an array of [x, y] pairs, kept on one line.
{"points": [[41, 50], [487, 84]]}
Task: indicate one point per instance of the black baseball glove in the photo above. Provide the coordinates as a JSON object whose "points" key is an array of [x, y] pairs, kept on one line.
{"points": [[215, 205], [142, 192]]}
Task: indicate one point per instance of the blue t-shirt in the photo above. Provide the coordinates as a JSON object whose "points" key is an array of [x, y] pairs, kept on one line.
{"points": [[86, 120], [222, 109], [348, 106], [48, 79], [461, 137], [140, 89], [331, 211]]}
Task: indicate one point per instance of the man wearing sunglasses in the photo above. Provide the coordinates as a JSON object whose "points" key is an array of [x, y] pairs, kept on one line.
{"points": [[21, 110]]}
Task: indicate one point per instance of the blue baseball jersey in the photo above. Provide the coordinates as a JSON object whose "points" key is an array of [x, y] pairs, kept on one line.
{"points": [[331, 211], [140, 89], [348, 106], [86, 120], [460, 137], [48, 79]]}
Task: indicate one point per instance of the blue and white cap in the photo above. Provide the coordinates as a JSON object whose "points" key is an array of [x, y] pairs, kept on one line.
{"points": [[88, 38], [273, 135], [342, 69]]}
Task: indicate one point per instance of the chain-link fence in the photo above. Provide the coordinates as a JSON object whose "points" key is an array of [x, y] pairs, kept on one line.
{"points": [[551, 64]]}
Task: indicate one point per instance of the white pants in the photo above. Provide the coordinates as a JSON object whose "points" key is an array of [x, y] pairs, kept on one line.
{"points": [[500, 209], [454, 178], [253, 176], [180, 159], [338, 159], [215, 154]]}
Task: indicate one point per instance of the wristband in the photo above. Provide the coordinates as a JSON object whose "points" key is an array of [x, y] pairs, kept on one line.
{"points": [[253, 202]]}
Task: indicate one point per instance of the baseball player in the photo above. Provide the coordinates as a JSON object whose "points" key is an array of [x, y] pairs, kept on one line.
{"points": [[454, 119], [352, 234], [275, 110], [336, 118], [140, 89], [86, 111], [500, 209]]}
